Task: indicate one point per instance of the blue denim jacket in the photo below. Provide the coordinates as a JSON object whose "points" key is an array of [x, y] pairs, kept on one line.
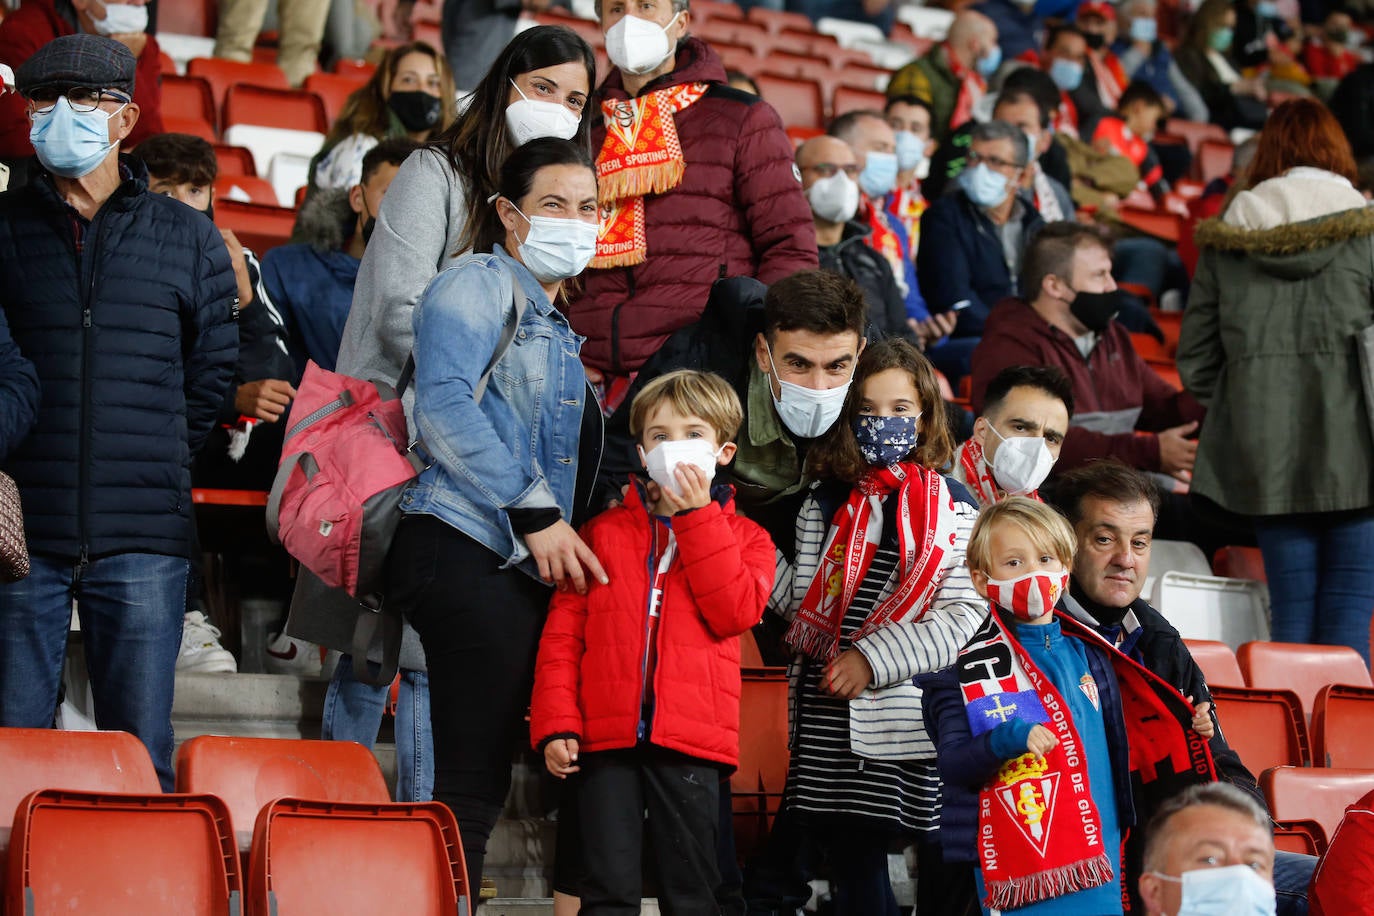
{"points": [[518, 447]]}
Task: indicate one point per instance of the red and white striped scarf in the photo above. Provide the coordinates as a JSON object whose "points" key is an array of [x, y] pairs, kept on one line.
{"points": [[926, 531]]}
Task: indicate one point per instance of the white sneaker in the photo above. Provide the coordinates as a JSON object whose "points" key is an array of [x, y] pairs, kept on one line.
{"points": [[288, 655], [201, 652]]}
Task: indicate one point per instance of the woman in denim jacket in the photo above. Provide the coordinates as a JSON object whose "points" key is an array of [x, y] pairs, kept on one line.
{"points": [[486, 526]]}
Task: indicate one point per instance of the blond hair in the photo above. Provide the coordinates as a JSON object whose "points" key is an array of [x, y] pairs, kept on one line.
{"points": [[1046, 528], [691, 394]]}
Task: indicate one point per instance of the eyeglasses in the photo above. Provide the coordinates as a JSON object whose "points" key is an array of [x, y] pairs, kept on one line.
{"points": [[995, 162], [826, 169], [81, 99]]}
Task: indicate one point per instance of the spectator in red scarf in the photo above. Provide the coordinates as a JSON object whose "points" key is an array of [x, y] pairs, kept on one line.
{"points": [[1330, 55], [952, 76]]}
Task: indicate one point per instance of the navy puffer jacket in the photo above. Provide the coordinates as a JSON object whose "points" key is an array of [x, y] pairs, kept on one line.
{"points": [[134, 342], [739, 212]]}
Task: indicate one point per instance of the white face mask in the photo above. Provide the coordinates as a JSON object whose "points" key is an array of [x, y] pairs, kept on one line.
{"points": [[529, 119], [1022, 462], [806, 411], [834, 199], [557, 249], [1236, 890], [666, 456], [121, 18], [638, 45]]}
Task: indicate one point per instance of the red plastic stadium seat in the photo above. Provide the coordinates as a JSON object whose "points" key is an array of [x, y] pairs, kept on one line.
{"points": [[1212, 160], [798, 102], [234, 160], [103, 854], [293, 109], [847, 98], [1343, 726], [336, 857], [1240, 563], [189, 100], [736, 32], [1194, 131], [257, 226], [1305, 837], [46, 758], [222, 74], [259, 190], [714, 9], [188, 17], [777, 20], [804, 66], [1149, 348], [1303, 669], [1161, 224], [1266, 728], [756, 787], [861, 75], [250, 772], [1217, 661], [815, 43], [1320, 794], [334, 90]]}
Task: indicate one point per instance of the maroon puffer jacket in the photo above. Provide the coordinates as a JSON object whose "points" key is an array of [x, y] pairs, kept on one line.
{"points": [[739, 211]]}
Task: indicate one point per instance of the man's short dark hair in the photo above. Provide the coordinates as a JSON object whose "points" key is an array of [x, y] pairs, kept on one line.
{"points": [[1048, 379], [1140, 91], [843, 126], [909, 100], [1108, 480], [1051, 253], [391, 151], [1057, 31], [179, 158], [1017, 95], [818, 301], [1039, 84]]}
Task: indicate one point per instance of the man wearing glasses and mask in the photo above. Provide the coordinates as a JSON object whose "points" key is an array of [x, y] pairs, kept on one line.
{"points": [[125, 301]]}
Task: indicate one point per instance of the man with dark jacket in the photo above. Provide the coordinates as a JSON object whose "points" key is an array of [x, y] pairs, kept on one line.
{"points": [[725, 198], [125, 301], [952, 76], [1113, 509], [38, 22], [972, 239]]}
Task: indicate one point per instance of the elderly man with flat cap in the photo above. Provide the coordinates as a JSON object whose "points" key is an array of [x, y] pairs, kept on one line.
{"points": [[125, 301]]}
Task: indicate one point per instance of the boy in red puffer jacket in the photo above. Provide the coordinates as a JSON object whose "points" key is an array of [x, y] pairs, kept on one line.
{"points": [[637, 683]]}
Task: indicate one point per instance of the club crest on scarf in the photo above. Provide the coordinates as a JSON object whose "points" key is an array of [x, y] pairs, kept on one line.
{"points": [[1027, 789], [1030, 596], [885, 440]]}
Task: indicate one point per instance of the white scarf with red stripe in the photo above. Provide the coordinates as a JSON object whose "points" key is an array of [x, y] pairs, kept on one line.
{"points": [[926, 532]]}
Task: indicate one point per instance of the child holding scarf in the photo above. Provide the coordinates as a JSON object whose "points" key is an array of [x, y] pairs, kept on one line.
{"points": [[1042, 727], [878, 594]]}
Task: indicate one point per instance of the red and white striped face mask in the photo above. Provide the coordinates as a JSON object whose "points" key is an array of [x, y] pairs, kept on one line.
{"points": [[1030, 596]]}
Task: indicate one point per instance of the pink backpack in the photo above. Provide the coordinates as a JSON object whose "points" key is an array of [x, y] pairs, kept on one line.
{"points": [[335, 502]]}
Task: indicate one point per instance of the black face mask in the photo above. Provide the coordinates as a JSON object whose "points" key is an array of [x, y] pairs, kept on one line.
{"points": [[1095, 310], [1095, 40], [417, 110]]}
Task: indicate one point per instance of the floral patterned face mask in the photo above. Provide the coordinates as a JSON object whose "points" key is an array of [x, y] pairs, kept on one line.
{"points": [[886, 440]]}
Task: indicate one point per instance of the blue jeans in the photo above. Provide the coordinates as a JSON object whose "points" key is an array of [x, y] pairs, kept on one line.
{"points": [[1292, 875], [353, 712], [1321, 577], [131, 607]]}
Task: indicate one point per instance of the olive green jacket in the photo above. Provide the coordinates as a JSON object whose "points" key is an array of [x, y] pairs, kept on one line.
{"points": [[1269, 344]]}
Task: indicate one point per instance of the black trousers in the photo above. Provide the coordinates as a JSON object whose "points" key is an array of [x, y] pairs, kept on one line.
{"points": [[479, 625], [681, 797]]}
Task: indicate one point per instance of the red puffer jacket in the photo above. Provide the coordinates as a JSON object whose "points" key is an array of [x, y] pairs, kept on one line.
{"points": [[739, 212], [32, 26], [587, 680]]}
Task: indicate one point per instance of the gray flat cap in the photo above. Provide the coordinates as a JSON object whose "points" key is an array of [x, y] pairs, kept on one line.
{"points": [[79, 60]]}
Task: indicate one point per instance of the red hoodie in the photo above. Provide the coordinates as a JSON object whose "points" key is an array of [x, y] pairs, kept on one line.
{"points": [[1110, 387], [588, 680], [32, 26]]}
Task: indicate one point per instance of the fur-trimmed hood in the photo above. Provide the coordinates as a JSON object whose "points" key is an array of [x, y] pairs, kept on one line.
{"points": [[1290, 250]]}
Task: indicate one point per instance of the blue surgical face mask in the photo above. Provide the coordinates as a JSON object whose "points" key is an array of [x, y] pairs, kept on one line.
{"points": [[1267, 9], [1235, 890], [886, 440], [983, 186], [1067, 74], [1144, 29], [989, 62], [879, 175], [71, 143], [911, 151]]}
